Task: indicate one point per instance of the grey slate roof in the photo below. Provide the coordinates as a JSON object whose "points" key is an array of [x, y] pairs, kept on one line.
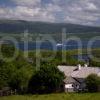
{"points": [[71, 71], [69, 80], [68, 70], [85, 71]]}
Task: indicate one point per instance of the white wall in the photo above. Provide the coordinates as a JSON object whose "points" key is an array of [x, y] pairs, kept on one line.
{"points": [[69, 86]]}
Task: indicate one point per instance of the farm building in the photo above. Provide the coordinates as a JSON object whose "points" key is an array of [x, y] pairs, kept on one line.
{"points": [[76, 75]]}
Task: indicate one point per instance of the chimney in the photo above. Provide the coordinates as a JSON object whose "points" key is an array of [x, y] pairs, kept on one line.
{"points": [[79, 67], [85, 65]]}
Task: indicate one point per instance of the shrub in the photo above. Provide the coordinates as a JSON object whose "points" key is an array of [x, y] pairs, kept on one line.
{"points": [[93, 83], [46, 80]]}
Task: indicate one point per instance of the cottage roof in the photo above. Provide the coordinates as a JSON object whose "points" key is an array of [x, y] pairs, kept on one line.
{"points": [[72, 71], [85, 71], [68, 70], [69, 80]]}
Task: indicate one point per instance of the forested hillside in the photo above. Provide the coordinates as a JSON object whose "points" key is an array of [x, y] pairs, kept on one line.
{"points": [[18, 26]]}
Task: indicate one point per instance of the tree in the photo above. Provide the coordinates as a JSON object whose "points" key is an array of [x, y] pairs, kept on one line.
{"points": [[22, 75], [16, 74], [7, 71], [47, 80], [93, 83], [7, 50]]}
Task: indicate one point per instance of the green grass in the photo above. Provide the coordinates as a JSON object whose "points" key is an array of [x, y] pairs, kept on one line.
{"points": [[94, 96]]}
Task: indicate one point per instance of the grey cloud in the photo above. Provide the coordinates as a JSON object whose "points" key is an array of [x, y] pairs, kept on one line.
{"points": [[71, 11]]}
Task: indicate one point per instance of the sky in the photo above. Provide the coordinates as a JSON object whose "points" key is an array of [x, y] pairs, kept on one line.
{"points": [[85, 12]]}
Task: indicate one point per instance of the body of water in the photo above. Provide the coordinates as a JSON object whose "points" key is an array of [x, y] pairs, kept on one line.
{"points": [[58, 46]]}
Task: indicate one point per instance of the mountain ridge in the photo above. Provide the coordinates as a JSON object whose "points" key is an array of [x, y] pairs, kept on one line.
{"points": [[19, 26]]}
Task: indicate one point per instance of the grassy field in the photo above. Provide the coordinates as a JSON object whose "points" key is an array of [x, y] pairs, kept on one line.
{"points": [[94, 96]]}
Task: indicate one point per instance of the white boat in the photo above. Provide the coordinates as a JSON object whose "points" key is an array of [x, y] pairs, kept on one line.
{"points": [[59, 44]]}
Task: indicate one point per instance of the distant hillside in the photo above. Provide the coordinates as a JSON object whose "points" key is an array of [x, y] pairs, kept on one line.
{"points": [[18, 26]]}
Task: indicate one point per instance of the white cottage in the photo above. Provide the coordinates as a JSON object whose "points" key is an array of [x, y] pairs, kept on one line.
{"points": [[75, 76]]}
